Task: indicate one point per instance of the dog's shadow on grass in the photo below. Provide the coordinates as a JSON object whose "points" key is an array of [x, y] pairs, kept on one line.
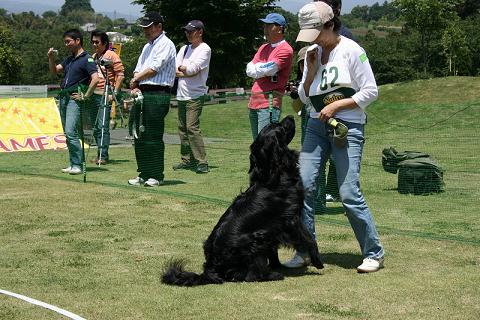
{"points": [[298, 272], [342, 260]]}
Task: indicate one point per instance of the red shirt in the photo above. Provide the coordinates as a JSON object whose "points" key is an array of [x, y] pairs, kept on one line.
{"points": [[282, 55]]}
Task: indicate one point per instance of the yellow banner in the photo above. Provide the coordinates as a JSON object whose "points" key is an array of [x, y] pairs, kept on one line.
{"points": [[117, 48], [30, 125]]}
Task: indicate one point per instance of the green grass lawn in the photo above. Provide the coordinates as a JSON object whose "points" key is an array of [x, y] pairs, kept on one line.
{"points": [[97, 248]]}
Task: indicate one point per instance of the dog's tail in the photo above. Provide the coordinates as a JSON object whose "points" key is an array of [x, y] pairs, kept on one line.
{"points": [[174, 274]]}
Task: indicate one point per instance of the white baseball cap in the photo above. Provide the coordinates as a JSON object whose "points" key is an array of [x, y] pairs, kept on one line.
{"points": [[311, 19]]}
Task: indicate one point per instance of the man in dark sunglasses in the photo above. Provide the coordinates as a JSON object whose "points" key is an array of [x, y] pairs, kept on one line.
{"points": [[108, 65]]}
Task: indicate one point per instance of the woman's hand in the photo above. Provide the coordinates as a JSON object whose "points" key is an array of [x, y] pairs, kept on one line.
{"points": [[327, 112]]}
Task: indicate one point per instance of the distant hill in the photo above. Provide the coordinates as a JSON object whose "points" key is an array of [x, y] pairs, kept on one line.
{"points": [[39, 8]]}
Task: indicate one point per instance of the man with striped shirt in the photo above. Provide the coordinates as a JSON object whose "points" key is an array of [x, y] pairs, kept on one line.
{"points": [[153, 76]]}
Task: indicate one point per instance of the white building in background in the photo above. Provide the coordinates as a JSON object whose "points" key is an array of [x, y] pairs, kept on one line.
{"points": [[118, 37], [89, 27]]}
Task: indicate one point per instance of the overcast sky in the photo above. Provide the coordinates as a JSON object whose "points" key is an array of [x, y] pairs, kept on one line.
{"points": [[125, 6], [347, 5]]}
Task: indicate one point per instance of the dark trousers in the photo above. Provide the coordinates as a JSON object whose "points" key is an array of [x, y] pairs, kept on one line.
{"points": [[149, 146]]}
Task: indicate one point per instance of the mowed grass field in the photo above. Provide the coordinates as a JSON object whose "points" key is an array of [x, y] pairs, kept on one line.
{"points": [[97, 248]]}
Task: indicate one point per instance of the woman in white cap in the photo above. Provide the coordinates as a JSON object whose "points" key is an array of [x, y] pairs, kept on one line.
{"points": [[338, 81]]}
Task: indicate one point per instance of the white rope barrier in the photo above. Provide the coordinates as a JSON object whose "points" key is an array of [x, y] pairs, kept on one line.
{"points": [[42, 304]]}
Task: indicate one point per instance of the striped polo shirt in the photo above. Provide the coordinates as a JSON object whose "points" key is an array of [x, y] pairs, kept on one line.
{"points": [[158, 55]]}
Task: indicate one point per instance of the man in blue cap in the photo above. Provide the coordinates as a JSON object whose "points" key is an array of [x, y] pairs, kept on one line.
{"points": [[270, 67]]}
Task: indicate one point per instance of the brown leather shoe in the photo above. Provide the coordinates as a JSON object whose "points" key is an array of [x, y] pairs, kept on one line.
{"points": [[101, 162]]}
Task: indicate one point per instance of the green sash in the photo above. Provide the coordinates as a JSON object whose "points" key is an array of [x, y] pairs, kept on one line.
{"points": [[321, 100]]}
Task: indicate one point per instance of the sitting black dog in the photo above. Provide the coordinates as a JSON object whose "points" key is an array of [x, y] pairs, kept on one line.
{"points": [[243, 245]]}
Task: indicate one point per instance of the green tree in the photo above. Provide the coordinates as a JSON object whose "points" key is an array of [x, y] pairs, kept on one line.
{"points": [[75, 5], [104, 22], [10, 63], [232, 31], [429, 18], [360, 12], [31, 36], [3, 13], [469, 8], [391, 57], [457, 53], [471, 27], [49, 14], [130, 52]]}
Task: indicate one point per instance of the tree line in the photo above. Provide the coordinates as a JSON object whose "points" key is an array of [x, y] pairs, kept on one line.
{"points": [[404, 39], [437, 38]]}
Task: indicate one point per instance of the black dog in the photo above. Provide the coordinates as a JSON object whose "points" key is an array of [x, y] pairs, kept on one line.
{"points": [[243, 245]]}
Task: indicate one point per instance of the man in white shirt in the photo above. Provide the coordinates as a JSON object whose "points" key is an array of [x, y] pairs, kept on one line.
{"points": [[153, 76], [192, 64]]}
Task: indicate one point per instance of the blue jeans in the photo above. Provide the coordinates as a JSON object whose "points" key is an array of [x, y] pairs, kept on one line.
{"points": [[260, 118], [325, 184], [70, 116], [316, 149], [97, 111]]}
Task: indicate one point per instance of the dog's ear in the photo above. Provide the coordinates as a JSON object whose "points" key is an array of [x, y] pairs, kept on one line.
{"points": [[262, 151], [288, 124], [255, 156], [253, 162], [274, 149]]}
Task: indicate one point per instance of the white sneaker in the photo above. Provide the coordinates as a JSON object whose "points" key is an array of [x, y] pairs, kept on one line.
{"points": [[298, 261], [153, 183], [75, 170], [67, 170], [330, 198], [136, 181], [370, 265]]}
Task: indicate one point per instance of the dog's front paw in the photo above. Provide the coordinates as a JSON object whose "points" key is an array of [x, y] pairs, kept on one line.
{"points": [[317, 263]]}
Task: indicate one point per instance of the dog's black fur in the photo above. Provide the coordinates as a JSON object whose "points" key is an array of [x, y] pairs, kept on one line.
{"points": [[243, 245]]}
